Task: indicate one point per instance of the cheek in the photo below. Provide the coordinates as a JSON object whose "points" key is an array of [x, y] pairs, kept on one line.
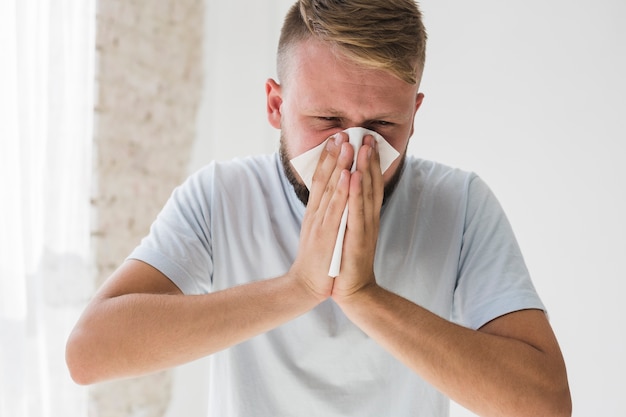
{"points": [[297, 140], [398, 141], [392, 169]]}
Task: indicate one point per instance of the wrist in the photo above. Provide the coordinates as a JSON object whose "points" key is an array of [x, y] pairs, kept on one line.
{"points": [[305, 290], [357, 298]]}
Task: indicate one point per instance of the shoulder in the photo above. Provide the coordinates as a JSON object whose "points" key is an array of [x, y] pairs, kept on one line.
{"points": [[433, 180], [247, 178], [427, 172], [222, 181], [438, 191], [256, 166], [238, 184], [443, 186], [232, 175]]}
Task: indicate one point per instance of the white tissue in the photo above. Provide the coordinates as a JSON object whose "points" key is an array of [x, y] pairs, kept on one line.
{"points": [[306, 163]]}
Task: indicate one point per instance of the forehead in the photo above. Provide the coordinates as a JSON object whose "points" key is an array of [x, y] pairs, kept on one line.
{"points": [[313, 57], [319, 74]]}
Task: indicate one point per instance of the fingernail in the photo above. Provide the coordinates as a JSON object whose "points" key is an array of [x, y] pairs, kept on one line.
{"points": [[332, 142], [338, 139]]}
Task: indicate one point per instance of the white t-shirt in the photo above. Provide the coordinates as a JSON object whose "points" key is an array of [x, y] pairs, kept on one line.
{"points": [[444, 244]]}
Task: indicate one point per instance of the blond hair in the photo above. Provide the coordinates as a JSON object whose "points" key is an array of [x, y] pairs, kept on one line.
{"points": [[380, 34]]}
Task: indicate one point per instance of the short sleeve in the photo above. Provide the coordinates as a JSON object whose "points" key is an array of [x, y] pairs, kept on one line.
{"points": [[493, 279], [179, 241]]}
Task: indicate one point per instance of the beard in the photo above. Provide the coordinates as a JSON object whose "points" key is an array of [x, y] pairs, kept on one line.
{"points": [[302, 192]]}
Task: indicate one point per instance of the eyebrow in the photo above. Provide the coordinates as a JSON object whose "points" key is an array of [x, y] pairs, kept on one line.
{"points": [[336, 113]]}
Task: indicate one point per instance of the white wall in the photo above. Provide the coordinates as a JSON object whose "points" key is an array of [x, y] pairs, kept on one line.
{"points": [[240, 51], [531, 96]]}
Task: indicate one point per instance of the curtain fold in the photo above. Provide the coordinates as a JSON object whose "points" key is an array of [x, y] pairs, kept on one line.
{"points": [[46, 273]]}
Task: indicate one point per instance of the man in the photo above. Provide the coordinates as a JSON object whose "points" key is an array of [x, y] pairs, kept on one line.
{"points": [[236, 265]]}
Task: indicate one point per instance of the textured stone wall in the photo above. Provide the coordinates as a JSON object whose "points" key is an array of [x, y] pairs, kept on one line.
{"points": [[149, 72]]}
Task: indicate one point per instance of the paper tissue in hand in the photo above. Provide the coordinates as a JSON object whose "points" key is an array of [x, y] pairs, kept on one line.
{"points": [[306, 163]]}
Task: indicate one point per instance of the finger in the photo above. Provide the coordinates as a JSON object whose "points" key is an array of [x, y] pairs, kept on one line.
{"points": [[325, 168], [335, 196], [338, 202], [357, 252], [367, 192], [356, 208], [372, 182], [378, 184], [376, 176], [337, 155]]}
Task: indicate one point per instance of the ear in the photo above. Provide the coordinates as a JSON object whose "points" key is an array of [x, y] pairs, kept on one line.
{"points": [[418, 102], [274, 96]]}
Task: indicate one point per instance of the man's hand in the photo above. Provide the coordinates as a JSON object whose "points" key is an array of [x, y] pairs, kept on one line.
{"points": [[364, 204], [327, 200]]}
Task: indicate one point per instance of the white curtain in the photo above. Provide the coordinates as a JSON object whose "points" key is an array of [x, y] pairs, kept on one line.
{"points": [[46, 105]]}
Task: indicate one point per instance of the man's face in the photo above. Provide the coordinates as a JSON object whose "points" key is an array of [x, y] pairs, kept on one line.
{"points": [[324, 93]]}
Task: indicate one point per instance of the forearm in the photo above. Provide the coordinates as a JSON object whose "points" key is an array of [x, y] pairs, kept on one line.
{"points": [[491, 375], [135, 334]]}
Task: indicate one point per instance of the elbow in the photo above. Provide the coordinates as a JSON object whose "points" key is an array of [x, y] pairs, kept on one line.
{"points": [[551, 403], [564, 407], [554, 393], [548, 399], [562, 397], [80, 367], [558, 403], [560, 408]]}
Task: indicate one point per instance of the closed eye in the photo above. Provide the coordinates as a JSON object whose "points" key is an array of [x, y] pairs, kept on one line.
{"points": [[328, 122], [382, 125]]}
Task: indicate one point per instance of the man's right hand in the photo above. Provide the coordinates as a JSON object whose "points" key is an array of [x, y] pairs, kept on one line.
{"points": [[140, 322], [327, 200]]}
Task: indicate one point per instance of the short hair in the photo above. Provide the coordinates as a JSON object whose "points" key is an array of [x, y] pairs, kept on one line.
{"points": [[380, 34]]}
